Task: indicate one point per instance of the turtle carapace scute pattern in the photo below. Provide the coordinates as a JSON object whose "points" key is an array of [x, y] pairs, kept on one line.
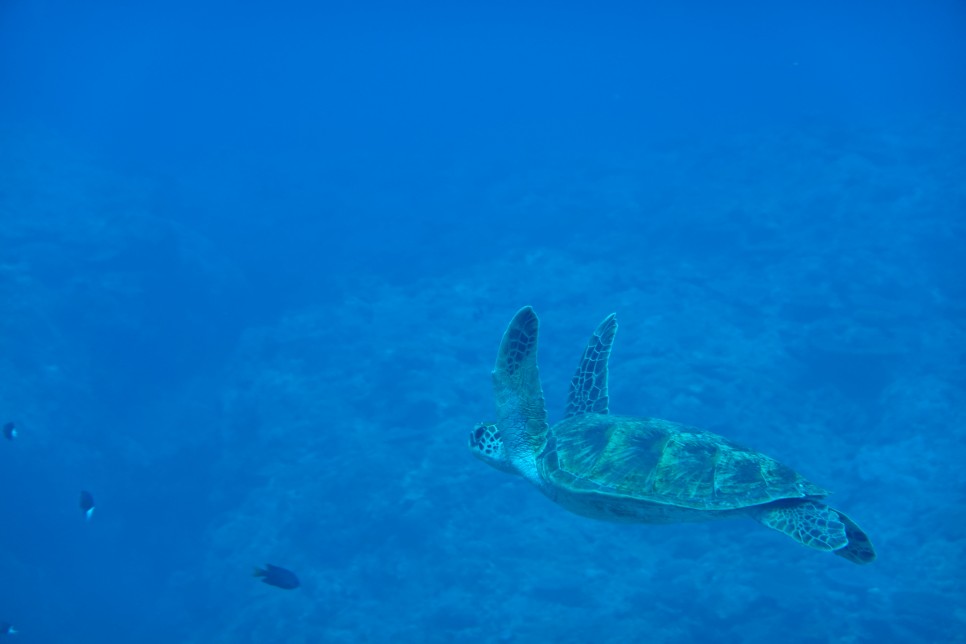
{"points": [[645, 470]]}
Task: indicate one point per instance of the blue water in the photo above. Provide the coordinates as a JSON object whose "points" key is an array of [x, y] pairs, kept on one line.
{"points": [[256, 261]]}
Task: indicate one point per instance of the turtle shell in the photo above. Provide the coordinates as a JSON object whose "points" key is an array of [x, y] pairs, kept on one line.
{"points": [[653, 460]]}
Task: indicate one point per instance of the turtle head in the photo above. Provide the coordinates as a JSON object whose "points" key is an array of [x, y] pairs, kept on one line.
{"points": [[487, 445]]}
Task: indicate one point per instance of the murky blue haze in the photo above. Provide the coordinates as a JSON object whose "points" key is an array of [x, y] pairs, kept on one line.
{"points": [[256, 261]]}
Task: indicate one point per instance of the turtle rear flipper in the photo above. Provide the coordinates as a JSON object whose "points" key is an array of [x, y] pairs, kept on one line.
{"points": [[860, 548], [818, 526], [810, 523]]}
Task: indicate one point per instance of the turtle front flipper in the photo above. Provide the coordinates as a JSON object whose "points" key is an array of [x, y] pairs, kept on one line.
{"points": [[588, 389], [521, 411]]}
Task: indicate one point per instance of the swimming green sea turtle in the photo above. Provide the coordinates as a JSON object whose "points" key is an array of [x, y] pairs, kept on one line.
{"points": [[621, 468]]}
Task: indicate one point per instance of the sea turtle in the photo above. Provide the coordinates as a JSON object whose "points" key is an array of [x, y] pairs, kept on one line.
{"points": [[623, 468]]}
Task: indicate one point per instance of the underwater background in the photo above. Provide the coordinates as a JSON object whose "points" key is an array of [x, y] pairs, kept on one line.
{"points": [[256, 261]]}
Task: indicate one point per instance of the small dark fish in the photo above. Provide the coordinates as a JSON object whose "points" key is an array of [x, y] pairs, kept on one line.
{"points": [[6, 628], [277, 576], [10, 433], [87, 503]]}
